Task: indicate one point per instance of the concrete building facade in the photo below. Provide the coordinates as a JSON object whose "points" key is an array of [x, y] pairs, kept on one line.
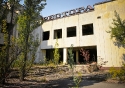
{"points": [[86, 30], [83, 28]]}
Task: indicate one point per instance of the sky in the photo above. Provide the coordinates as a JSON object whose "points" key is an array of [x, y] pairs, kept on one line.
{"points": [[59, 6]]}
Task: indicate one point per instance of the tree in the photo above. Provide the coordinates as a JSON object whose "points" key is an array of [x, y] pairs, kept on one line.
{"points": [[85, 54], [28, 20], [8, 50], [56, 53], [76, 79], [118, 30], [71, 59]]}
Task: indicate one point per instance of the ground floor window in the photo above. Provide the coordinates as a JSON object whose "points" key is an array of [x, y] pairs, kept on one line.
{"points": [[50, 54], [79, 58], [89, 51]]}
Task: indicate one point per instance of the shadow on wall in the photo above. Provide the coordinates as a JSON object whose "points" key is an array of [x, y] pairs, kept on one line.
{"points": [[38, 34], [118, 44], [123, 57]]}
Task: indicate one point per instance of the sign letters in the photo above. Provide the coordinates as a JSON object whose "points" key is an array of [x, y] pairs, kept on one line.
{"points": [[69, 13]]}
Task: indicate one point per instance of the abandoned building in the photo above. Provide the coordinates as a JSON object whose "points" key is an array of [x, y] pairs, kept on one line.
{"points": [[83, 28]]}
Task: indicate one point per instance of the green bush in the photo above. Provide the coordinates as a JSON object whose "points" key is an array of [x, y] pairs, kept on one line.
{"points": [[118, 73]]}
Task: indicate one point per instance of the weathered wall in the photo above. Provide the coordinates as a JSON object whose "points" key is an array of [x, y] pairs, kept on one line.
{"points": [[105, 46], [37, 33], [63, 23]]}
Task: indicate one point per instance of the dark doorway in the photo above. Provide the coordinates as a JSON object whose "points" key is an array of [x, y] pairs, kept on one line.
{"points": [[93, 54], [50, 54]]}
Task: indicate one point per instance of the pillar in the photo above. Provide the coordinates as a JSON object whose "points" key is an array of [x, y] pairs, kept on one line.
{"points": [[64, 55], [77, 57], [43, 54]]}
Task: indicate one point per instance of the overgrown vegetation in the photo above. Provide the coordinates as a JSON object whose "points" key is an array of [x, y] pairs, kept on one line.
{"points": [[85, 54], [118, 74], [19, 52], [5, 63], [8, 50], [118, 33], [76, 78], [56, 53], [26, 41], [71, 59], [118, 30]]}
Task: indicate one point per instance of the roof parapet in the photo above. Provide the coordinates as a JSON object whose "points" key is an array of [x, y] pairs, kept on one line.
{"points": [[103, 2]]}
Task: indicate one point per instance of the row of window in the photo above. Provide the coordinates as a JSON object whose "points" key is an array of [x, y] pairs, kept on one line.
{"points": [[71, 32]]}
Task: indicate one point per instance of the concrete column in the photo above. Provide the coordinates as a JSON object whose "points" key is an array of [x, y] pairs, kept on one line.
{"points": [[64, 55], [77, 57], [43, 54]]}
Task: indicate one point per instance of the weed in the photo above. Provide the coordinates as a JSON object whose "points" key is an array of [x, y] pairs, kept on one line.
{"points": [[118, 74]]}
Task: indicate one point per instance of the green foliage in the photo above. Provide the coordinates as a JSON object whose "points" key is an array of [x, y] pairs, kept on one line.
{"points": [[27, 45], [5, 63], [26, 41], [77, 79], [3, 53], [118, 73], [70, 57], [118, 30], [8, 50], [56, 53]]}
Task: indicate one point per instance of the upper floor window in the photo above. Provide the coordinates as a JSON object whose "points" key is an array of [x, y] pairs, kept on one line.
{"points": [[87, 29], [46, 35], [58, 33], [71, 31]]}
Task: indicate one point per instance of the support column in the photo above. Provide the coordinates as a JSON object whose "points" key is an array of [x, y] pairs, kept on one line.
{"points": [[64, 55], [43, 55], [77, 57]]}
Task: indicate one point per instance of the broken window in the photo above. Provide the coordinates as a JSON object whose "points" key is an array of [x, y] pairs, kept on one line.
{"points": [[87, 29], [46, 35], [71, 31], [58, 33], [89, 52]]}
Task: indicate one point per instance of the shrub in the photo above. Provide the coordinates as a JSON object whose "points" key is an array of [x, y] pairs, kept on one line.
{"points": [[85, 54], [118, 73]]}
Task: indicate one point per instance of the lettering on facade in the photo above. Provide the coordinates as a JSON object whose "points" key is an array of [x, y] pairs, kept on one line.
{"points": [[69, 13]]}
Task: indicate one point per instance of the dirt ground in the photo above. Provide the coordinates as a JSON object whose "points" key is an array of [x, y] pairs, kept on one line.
{"points": [[50, 77]]}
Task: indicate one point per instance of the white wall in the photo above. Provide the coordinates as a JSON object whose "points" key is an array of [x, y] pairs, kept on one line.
{"points": [[37, 33], [105, 46], [63, 23]]}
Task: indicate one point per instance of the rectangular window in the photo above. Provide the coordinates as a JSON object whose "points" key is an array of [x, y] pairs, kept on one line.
{"points": [[87, 29], [58, 33], [71, 31], [46, 35]]}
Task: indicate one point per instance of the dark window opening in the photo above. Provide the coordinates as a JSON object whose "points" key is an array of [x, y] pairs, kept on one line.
{"points": [[46, 35], [92, 55], [9, 28], [71, 31], [58, 33], [87, 29], [99, 17], [50, 55]]}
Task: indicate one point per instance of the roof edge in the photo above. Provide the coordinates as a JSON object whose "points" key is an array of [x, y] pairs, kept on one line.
{"points": [[103, 2]]}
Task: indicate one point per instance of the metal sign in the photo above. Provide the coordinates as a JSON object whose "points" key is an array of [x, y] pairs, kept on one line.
{"points": [[69, 13]]}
